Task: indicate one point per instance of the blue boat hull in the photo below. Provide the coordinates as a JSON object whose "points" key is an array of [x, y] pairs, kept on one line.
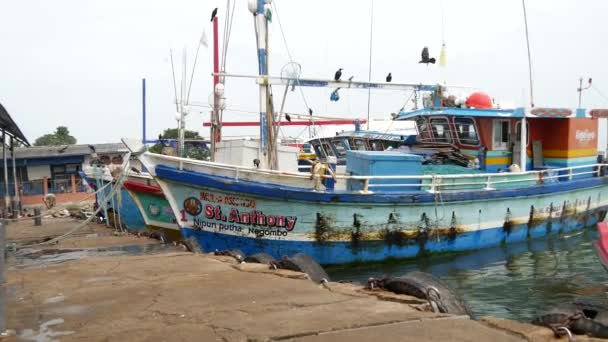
{"points": [[130, 215], [342, 227], [345, 252]]}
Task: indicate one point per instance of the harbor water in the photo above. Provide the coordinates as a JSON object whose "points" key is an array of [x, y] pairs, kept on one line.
{"points": [[515, 281]]}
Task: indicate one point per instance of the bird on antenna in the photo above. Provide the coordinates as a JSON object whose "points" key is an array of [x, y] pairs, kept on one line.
{"points": [[389, 77], [338, 74], [287, 117], [425, 57], [310, 111], [213, 14]]}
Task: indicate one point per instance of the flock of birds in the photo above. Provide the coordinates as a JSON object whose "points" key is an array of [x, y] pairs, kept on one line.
{"points": [[425, 59]]}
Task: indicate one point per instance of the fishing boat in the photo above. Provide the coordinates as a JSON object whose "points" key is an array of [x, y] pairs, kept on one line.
{"points": [[532, 172], [153, 206], [120, 209]]}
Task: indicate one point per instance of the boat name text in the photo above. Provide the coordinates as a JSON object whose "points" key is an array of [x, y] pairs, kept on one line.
{"points": [[234, 201], [252, 218]]}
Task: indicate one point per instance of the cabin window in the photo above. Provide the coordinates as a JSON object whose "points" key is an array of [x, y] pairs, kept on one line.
{"points": [[328, 150], [441, 130], [318, 150], [423, 129], [376, 145], [518, 132], [340, 147], [359, 144], [465, 129], [501, 130]]}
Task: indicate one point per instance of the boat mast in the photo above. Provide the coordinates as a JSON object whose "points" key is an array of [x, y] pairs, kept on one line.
{"points": [[267, 139], [215, 127]]}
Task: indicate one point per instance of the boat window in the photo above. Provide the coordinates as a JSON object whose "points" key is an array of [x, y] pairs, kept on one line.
{"points": [[328, 150], [340, 147], [423, 129], [465, 129], [441, 130], [318, 150], [376, 145], [502, 129], [359, 144], [518, 132]]}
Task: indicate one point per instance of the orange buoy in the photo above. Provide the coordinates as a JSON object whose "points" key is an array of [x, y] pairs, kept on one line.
{"points": [[479, 100]]}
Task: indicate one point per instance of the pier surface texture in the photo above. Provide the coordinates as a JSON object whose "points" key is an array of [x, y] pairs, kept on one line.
{"points": [[179, 296]]}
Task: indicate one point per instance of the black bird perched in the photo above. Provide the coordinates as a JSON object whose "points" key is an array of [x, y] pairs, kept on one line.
{"points": [[287, 117], [425, 57], [213, 14], [92, 148], [338, 74], [256, 162], [310, 111], [389, 77]]}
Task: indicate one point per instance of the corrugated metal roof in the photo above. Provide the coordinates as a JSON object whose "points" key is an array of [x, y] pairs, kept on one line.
{"points": [[67, 150], [7, 123]]}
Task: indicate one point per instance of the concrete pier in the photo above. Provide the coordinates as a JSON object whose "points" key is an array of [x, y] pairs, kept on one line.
{"points": [[81, 293]]}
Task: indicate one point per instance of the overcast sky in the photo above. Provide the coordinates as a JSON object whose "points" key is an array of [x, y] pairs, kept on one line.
{"points": [[79, 63]]}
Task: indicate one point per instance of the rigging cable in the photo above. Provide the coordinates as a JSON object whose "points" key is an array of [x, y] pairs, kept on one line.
{"points": [[274, 6], [599, 93]]}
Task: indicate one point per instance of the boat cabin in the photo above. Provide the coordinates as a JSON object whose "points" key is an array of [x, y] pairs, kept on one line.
{"points": [[357, 140], [554, 137]]}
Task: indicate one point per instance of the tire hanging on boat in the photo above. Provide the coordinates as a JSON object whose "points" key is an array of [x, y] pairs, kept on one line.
{"points": [[582, 317], [426, 286], [260, 258], [301, 262]]}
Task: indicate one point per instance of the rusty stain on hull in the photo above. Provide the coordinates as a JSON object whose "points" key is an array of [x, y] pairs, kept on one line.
{"points": [[355, 235], [508, 224]]}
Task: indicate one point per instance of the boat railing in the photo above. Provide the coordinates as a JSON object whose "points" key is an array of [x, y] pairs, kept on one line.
{"points": [[431, 183], [480, 181]]}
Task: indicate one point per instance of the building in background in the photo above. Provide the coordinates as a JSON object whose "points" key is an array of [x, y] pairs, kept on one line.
{"points": [[42, 170]]}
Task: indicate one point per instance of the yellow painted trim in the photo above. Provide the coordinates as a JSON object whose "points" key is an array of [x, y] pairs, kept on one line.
{"points": [[498, 161], [582, 152], [302, 156]]}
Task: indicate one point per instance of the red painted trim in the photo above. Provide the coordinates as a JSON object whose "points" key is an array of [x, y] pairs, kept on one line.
{"points": [[145, 188], [292, 123]]}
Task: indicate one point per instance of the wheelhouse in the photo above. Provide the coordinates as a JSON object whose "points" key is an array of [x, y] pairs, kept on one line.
{"points": [[554, 138]]}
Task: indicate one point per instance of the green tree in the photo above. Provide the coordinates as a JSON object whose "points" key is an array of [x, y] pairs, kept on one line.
{"points": [[61, 136], [194, 149]]}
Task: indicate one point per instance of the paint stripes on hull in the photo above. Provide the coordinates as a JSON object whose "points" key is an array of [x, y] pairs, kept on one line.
{"points": [[339, 252], [346, 228]]}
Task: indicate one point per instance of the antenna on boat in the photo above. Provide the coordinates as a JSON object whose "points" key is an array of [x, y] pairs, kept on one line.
{"points": [[580, 89], [523, 3], [369, 75], [174, 83]]}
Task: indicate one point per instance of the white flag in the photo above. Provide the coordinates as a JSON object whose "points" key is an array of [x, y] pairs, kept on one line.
{"points": [[204, 39]]}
